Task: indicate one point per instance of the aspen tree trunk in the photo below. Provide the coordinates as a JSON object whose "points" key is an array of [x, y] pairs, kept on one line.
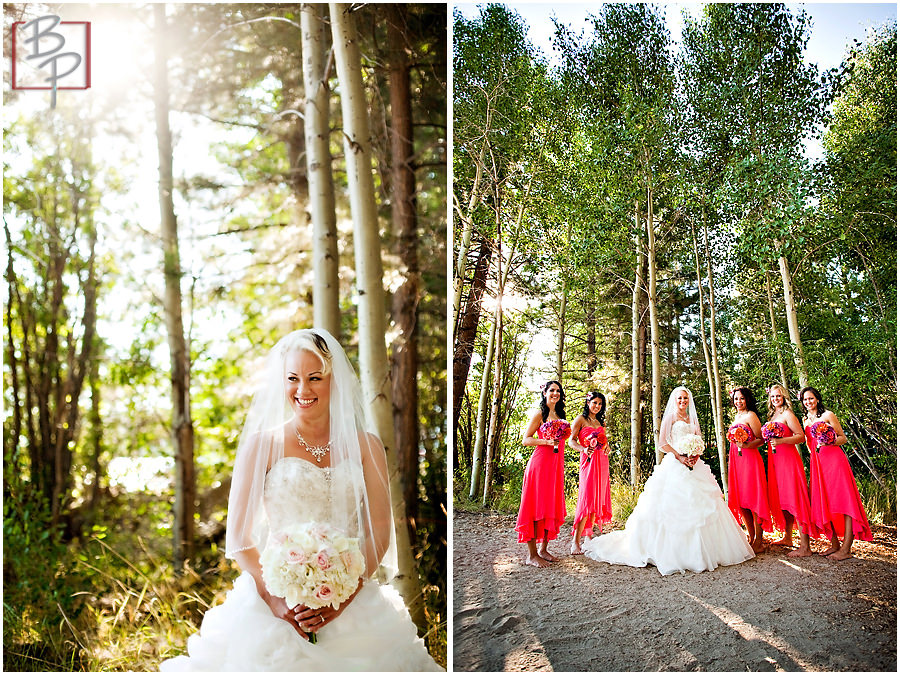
{"points": [[781, 369], [480, 422], [493, 427], [591, 339], [561, 332], [656, 374], [326, 287], [373, 361], [404, 308], [716, 412], [717, 381], [468, 325], [468, 227], [636, 348], [790, 311], [182, 425]]}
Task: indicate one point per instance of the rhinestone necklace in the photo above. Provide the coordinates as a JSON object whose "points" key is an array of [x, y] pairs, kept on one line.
{"points": [[317, 451]]}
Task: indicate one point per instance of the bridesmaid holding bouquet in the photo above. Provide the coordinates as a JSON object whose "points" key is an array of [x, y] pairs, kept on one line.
{"points": [[594, 497], [543, 507], [788, 491], [747, 492], [834, 498]]}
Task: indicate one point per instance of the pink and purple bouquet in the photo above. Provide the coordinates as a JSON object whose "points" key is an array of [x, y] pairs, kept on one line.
{"points": [[313, 564], [823, 433], [772, 430], [596, 438], [556, 431]]}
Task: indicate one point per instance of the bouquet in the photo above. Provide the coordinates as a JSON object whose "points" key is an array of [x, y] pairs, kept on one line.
{"points": [[690, 445], [312, 564], [556, 431], [595, 438], [774, 430], [823, 433], [739, 433]]}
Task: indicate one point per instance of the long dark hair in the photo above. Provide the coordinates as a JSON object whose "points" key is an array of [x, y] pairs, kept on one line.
{"points": [[749, 399], [587, 411], [560, 404], [820, 407]]}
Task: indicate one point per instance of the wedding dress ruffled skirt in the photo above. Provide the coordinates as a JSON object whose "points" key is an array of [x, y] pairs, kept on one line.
{"points": [[374, 633], [680, 523]]}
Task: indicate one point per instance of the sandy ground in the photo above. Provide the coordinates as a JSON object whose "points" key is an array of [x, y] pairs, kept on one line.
{"points": [[771, 613]]}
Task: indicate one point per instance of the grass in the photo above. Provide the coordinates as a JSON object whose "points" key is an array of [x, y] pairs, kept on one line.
{"points": [[111, 602]]}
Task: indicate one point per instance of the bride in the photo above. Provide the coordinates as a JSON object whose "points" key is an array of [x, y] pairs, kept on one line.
{"points": [[307, 455], [681, 521]]}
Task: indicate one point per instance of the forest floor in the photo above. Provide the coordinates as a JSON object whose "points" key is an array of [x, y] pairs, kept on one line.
{"points": [[771, 613]]}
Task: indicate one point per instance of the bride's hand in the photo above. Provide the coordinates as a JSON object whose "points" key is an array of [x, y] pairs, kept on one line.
{"points": [[282, 611], [312, 620]]}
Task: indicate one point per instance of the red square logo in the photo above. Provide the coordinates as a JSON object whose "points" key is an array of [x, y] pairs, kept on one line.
{"points": [[49, 54]]}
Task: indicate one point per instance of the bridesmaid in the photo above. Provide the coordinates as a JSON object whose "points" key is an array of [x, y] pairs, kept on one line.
{"points": [[836, 506], [747, 493], [788, 491], [594, 500], [543, 506]]}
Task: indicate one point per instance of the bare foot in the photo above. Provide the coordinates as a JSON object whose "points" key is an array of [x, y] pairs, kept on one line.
{"points": [[785, 541], [800, 553], [832, 549], [840, 555], [575, 549], [537, 561], [759, 546], [546, 555]]}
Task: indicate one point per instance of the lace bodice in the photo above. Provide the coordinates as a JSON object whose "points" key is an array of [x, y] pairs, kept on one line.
{"points": [[299, 491], [679, 429]]}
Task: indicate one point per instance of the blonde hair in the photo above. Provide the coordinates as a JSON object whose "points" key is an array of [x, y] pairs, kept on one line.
{"points": [[785, 397], [310, 341]]}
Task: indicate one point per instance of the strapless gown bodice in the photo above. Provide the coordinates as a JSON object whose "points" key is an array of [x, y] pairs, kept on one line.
{"points": [[299, 491]]}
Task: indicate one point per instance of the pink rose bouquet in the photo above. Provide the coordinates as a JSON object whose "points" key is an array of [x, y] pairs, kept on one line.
{"points": [[556, 431], [313, 564], [823, 433], [595, 438]]}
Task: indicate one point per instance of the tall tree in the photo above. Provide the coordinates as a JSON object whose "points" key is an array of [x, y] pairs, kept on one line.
{"points": [[373, 361], [182, 424]]}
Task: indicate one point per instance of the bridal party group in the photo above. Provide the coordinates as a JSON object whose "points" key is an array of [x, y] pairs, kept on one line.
{"points": [[681, 521]]}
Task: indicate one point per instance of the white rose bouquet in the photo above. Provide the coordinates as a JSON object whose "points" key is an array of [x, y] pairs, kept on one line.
{"points": [[690, 445], [313, 564]]}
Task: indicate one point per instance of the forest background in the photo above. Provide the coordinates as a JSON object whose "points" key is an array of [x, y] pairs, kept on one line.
{"points": [[651, 205], [162, 232]]}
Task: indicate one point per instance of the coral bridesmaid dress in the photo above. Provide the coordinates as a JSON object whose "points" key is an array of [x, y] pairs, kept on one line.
{"points": [[833, 491], [543, 494], [594, 498], [747, 485], [787, 486]]}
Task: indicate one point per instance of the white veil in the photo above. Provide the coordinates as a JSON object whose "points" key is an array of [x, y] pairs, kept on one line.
{"points": [[364, 505], [670, 415]]}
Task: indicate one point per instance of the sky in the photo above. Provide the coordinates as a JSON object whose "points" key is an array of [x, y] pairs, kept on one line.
{"points": [[834, 27]]}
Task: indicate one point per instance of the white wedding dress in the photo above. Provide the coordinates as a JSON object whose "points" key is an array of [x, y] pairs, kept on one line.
{"points": [[374, 632], [680, 523]]}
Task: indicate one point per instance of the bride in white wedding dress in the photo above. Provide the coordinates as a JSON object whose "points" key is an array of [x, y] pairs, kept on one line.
{"points": [[307, 455], [681, 521]]}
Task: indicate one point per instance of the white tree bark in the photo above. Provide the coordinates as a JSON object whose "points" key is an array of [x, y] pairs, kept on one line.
{"points": [[481, 419], [326, 287], [781, 368], [635, 348], [654, 323], [717, 380], [790, 310], [373, 360]]}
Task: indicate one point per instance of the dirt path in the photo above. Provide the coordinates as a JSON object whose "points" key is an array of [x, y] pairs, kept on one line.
{"points": [[770, 613]]}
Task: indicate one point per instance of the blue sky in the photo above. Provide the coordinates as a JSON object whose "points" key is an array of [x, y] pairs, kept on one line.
{"points": [[835, 25]]}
